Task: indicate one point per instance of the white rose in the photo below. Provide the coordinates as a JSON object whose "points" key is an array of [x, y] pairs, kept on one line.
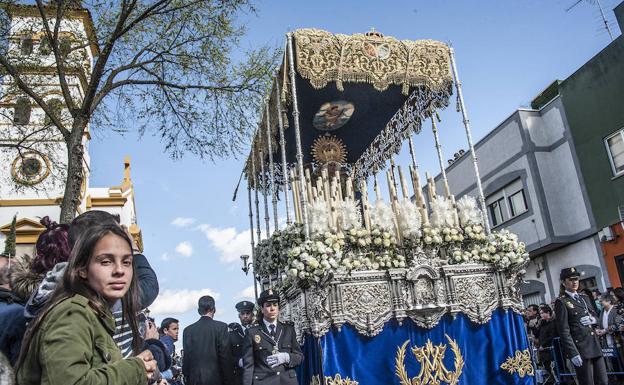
{"points": [[386, 242], [428, 239], [361, 242], [293, 272], [377, 241], [375, 266]]}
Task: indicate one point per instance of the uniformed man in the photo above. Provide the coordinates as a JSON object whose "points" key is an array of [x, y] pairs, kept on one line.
{"points": [[271, 350], [576, 320], [237, 335]]}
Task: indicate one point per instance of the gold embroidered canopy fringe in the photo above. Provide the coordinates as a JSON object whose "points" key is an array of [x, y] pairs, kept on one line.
{"points": [[322, 57], [422, 68]]}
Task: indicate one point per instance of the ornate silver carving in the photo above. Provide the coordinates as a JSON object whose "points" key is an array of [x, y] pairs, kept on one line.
{"points": [[424, 293]]}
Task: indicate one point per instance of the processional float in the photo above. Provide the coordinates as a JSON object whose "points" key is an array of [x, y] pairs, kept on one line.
{"points": [[412, 288]]}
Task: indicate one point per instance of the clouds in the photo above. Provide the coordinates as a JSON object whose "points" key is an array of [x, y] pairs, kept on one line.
{"points": [[246, 293], [183, 222], [184, 249], [230, 243], [170, 302]]}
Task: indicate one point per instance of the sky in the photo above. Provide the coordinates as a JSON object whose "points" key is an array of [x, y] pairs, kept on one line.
{"points": [[507, 53]]}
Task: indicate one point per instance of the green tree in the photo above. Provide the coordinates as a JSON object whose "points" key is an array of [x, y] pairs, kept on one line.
{"points": [[9, 242], [172, 68]]}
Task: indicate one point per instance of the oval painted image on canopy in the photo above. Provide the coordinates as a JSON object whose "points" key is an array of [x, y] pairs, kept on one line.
{"points": [[333, 115]]}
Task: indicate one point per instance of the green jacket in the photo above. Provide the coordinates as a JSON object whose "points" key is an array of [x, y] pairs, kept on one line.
{"points": [[74, 346]]}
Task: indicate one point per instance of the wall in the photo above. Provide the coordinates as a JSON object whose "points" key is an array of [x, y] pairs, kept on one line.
{"points": [[611, 250], [593, 99]]}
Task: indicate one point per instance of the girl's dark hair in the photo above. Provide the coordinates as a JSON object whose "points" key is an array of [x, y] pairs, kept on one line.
{"points": [[546, 309], [52, 246], [72, 284]]}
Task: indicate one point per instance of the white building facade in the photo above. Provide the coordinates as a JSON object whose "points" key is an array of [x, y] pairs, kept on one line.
{"points": [[32, 178]]}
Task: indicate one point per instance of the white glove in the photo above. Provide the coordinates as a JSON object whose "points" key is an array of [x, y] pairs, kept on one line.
{"points": [[588, 320], [577, 360], [240, 362], [278, 359]]}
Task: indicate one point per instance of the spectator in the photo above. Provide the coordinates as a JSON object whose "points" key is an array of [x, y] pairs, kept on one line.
{"points": [[170, 329], [590, 295], [147, 281], [70, 340], [52, 247], [12, 322], [532, 321], [596, 296], [608, 321], [547, 333]]}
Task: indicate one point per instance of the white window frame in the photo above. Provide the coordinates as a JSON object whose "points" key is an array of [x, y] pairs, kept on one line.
{"points": [[606, 142], [502, 209], [503, 196], [526, 204]]}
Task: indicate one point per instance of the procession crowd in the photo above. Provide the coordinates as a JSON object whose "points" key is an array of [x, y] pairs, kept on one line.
{"points": [[76, 313], [606, 312]]}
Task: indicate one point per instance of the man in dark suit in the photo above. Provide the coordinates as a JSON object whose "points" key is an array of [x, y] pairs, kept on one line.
{"points": [[271, 350], [237, 336], [576, 320], [207, 353]]}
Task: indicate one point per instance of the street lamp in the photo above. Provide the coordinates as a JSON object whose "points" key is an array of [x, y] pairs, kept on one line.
{"points": [[246, 265]]}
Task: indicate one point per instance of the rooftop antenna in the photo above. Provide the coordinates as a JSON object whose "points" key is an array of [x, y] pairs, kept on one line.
{"points": [[602, 15]]}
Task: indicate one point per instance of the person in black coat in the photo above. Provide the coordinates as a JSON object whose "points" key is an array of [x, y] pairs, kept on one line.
{"points": [[207, 353], [271, 348], [237, 336], [547, 333], [576, 319]]}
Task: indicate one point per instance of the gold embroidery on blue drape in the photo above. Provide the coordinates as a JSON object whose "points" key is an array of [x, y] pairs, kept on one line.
{"points": [[520, 363], [432, 369]]}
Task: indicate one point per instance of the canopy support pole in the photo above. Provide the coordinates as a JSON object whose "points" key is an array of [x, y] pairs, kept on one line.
{"points": [[285, 173], [265, 196], [438, 146], [462, 106], [295, 113], [255, 179], [271, 164], [251, 233], [412, 152]]}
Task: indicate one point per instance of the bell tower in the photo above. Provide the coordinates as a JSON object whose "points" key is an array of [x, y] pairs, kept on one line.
{"points": [[33, 155]]}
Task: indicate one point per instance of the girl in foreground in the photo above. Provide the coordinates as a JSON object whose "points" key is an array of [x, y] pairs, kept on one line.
{"points": [[70, 342]]}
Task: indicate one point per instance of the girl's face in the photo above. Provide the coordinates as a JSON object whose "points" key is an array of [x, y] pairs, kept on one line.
{"points": [[109, 272], [545, 315]]}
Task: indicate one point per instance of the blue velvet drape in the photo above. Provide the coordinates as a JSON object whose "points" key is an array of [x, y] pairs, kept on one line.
{"points": [[372, 361]]}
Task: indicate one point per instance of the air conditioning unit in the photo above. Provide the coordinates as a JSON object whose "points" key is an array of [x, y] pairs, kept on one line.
{"points": [[606, 234]]}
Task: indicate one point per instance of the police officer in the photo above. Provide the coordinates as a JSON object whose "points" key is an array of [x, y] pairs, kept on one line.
{"points": [[576, 320], [271, 350], [237, 336]]}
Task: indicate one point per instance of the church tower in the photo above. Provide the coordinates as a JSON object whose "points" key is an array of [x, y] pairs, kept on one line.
{"points": [[33, 155]]}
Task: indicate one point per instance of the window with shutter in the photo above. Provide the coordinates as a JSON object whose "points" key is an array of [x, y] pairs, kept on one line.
{"points": [[21, 114]]}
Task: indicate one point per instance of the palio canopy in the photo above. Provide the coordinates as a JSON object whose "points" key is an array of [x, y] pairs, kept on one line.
{"points": [[359, 96]]}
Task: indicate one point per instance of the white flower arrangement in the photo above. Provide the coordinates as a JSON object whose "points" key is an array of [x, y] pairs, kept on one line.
{"points": [[382, 215], [468, 211], [349, 215], [318, 215], [457, 236], [409, 219]]}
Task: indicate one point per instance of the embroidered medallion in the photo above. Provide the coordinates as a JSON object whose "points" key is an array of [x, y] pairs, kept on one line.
{"points": [[431, 360], [569, 304], [257, 338], [333, 115]]}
